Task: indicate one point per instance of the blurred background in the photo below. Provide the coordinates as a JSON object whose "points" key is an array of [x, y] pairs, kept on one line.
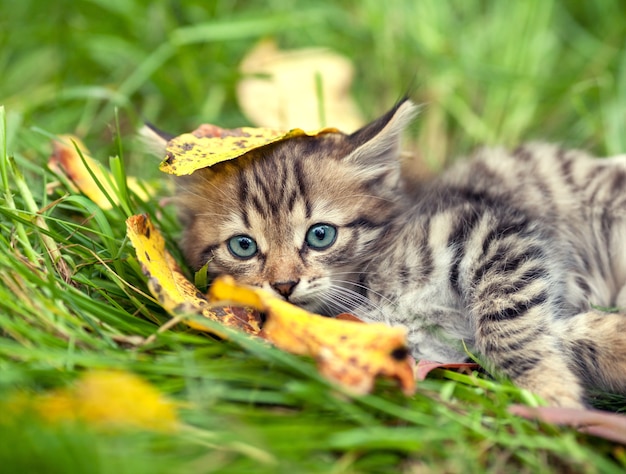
{"points": [[486, 71]]}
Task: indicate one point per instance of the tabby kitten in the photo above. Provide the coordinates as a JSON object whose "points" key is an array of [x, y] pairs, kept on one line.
{"points": [[504, 254]]}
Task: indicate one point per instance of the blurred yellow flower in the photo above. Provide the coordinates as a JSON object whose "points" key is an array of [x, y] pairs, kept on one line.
{"points": [[111, 399]]}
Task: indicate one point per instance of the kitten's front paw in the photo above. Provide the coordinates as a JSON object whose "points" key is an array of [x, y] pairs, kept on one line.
{"points": [[556, 392], [564, 401]]}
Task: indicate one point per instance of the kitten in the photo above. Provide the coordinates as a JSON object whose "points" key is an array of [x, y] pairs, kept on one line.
{"points": [[504, 254]]}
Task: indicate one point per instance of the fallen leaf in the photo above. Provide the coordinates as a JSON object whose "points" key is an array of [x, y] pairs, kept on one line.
{"points": [[67, 159], [348, 317], [111, 399], [174, 292], [424, 367], [611, 426], [210, 144], [349, 353], [281, 89]]}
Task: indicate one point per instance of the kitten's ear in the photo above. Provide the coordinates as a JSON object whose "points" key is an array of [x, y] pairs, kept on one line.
{"points": [[153, 140], [377, 145]]}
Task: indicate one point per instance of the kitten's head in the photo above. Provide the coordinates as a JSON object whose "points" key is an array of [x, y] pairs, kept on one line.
{"points": [[299, 218]]}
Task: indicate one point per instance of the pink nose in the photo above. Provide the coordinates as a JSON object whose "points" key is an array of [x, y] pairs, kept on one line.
{"points": [[285, 288]]}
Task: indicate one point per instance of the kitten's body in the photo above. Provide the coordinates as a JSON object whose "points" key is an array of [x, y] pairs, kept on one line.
{"points": [[504, 253]]}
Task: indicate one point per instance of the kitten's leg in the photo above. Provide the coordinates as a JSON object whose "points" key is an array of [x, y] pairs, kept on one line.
{"points": [[513, 297], [514, 336], [597, 344]]}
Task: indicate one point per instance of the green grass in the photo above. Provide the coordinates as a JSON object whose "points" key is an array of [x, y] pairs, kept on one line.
{"points": [[489, 72]]}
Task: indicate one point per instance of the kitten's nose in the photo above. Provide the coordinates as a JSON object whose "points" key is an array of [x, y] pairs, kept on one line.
{"points": [[285, 288]]}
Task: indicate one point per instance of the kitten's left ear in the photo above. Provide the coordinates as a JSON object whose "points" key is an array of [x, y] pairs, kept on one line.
{"points": [[377, 145], [153, 140]]}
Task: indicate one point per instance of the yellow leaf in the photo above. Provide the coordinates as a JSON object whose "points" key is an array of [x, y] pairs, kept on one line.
{"points": [[210, 144], [105, 399], [350, 353], [66, 159], [174, 292], [304, 88]]}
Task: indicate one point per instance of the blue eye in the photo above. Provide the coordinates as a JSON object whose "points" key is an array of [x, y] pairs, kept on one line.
{"points": [[242, 246], [321, 236]]}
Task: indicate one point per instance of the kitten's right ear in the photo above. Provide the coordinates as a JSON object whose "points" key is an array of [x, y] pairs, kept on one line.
{"points": [[377, 145], [154, 140]]}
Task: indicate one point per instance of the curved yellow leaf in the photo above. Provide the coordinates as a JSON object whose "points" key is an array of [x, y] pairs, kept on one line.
{"points": [[174, 292], [210, 144], [67, 160], [350, 353]]}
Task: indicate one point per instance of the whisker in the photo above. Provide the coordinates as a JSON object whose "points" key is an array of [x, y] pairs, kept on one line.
{"points": [[360, 285], [353, 301], [337, 301]]}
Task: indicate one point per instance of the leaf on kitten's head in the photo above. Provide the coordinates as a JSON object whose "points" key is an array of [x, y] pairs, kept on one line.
{"points": [[88, 175], [349, 353], [210, 144]]}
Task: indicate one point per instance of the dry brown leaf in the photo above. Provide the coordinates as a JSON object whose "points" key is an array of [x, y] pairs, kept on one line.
{"points": [[610, 426], [279, 89], [424, 367]]}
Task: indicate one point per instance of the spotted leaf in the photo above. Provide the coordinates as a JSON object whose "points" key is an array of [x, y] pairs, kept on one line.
{"points": [[174, 292], [210, 144], [348, 352]]}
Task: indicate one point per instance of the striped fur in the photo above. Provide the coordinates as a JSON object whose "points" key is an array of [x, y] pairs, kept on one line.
{"points": [[506, 253]]}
